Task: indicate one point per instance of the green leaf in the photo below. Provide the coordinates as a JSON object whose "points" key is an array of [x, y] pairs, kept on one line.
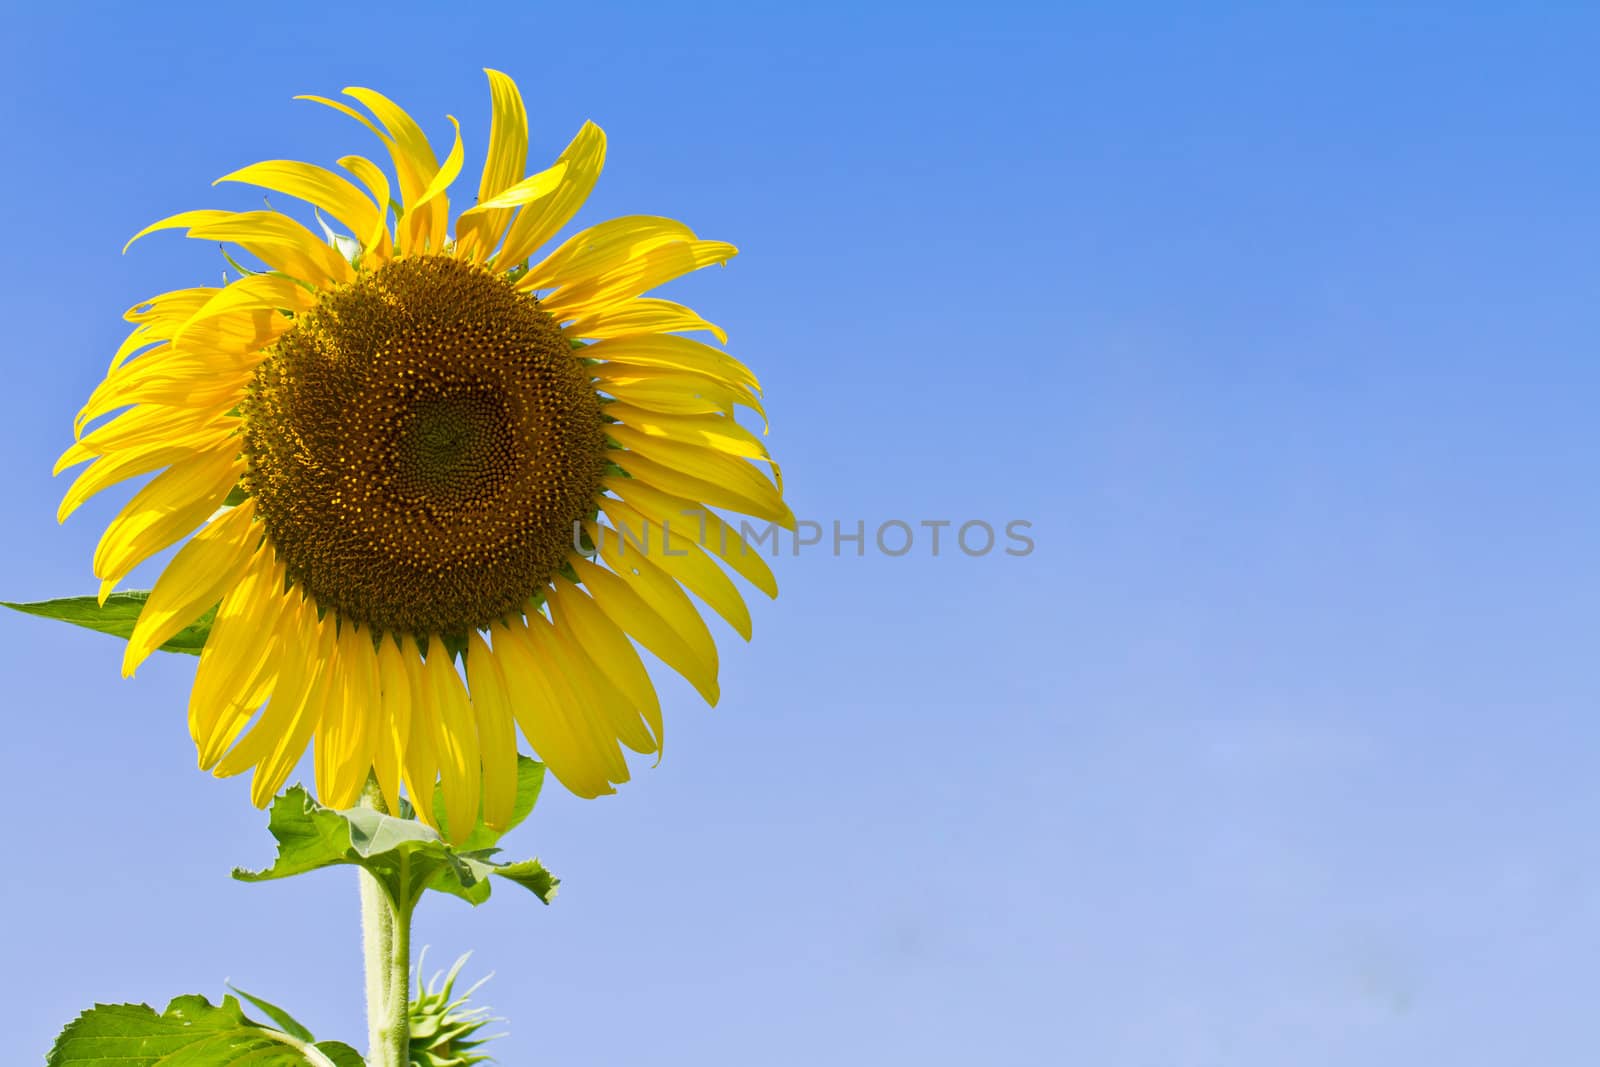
{"points": [[192, 1032], [286, 1022], [406, 856], [531, 875], [340, 1054], [530, 779], [116, 617]]}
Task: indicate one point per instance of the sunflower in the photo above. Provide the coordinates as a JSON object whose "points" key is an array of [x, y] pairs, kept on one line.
{"points": [[438, 486]]}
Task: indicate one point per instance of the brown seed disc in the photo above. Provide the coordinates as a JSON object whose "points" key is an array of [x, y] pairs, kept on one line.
{"points": [[420, 446]]}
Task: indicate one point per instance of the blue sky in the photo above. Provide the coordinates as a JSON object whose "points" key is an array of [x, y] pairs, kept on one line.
{"points": [[1277, 324]]}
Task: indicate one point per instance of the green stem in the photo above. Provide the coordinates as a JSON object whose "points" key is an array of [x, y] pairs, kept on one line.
{"points": [[386, 944], [311, 1053]]}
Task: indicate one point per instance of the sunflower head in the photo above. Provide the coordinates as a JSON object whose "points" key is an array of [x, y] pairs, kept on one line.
{"points": [[465, 441], [423, 463]]}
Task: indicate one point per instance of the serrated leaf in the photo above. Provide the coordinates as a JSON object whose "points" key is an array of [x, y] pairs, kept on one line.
{"points": [[530, 779], [531, 875], [407, 856], [192, 1032], [116, 617]]}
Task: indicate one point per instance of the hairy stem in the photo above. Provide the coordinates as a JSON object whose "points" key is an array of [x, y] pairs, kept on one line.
{"points": [[386, 944]]}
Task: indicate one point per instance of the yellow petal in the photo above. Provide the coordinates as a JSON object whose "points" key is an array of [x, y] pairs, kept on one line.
{"points": [[429, 216], [676, 353], [245, 316], [279, 738], [346, 109], [237, 666], [169, 507], [195, 580], [582, 765], [670, 629], [674, 392], [393, 697], [707, 529], [641, 273], [606, 246], [294, 662], [376, 242], [159, 317], [309, 704], [456, 740], [282, 244], [535, 224], [479, 229], [508, 137], [365, 693], [313, 184], [414, 160], [174, 379], [598, 698], [679, 555], [420, 756], [709, 463], [109, 470], [182, 220], [240, 333], [342, 107], [140, 337], [150, 426], [331, 728], [415, 165], [347, 734], [170, 308], [256, 292], [613, 656], [575, 698], [667, 600], [534, 187], [497, 733], [715, 432], [644, 315], [646, 466]]}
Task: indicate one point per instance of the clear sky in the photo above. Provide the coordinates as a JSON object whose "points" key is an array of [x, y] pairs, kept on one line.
{"points": [[1277, 323]]}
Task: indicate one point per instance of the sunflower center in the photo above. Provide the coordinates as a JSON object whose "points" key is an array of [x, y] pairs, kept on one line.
{"points": [[420, 445], [457, 445]]}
